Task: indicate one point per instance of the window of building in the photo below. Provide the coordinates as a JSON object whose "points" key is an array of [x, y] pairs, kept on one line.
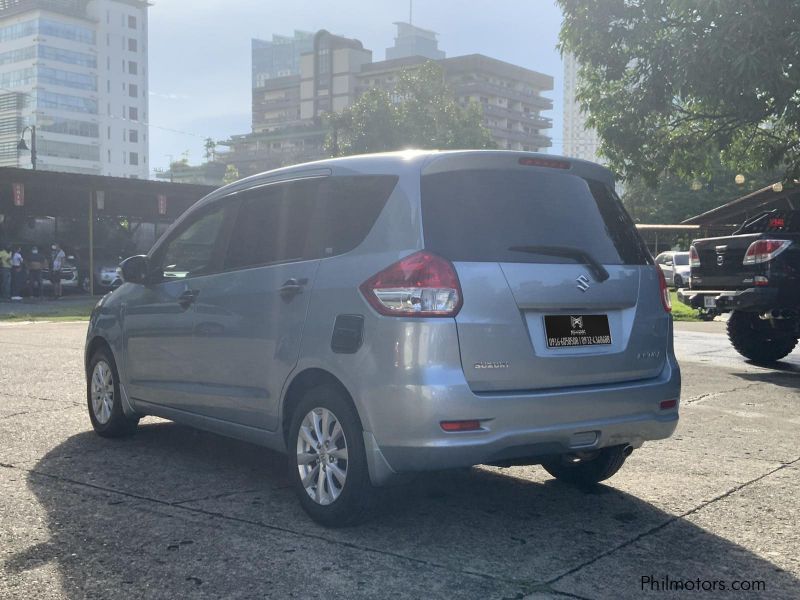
{"points": [[45, 99], [133, 113], [71, 127], [79, 81], [134, 158], [108, 132], [133, 90], [132, 21], [133, 67], [133, 136], [133, 45]]}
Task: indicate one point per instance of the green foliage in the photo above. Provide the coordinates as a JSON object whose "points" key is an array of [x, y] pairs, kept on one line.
{"points": [[231, 174], [674, 199], [677, 85], [420, 112]]}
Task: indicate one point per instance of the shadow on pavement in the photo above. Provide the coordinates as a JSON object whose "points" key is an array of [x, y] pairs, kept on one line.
{"points": [[177, 511], [782, 374]]}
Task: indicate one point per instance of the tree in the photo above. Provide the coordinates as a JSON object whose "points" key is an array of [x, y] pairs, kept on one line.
{"points": [[231, 174], [679, 85], [420, 112], [210, 150], [675, 199]]}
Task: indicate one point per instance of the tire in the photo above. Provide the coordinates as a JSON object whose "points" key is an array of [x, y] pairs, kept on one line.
{"points": [[678, 281], [756, 339], [587, 471], [329, 499], [104, 399]]}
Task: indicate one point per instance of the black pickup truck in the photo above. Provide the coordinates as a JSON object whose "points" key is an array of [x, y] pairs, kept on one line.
{"points": [[755, 275]]}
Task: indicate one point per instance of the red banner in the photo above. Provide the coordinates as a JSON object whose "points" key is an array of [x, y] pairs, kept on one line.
{"points": [[19, 194]]}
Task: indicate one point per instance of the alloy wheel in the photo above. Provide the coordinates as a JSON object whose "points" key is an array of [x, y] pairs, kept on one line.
{"points": [[322, 456], [102, 392]]}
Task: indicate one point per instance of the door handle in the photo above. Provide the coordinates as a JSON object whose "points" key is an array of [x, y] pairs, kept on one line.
{"points": [[187, 298], [292, 286]]}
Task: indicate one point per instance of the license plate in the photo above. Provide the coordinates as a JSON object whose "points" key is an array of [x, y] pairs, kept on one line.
{"points": [[576, 330], [709, 301]]}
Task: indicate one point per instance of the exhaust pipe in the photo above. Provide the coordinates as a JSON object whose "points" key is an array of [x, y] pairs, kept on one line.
{"points": [[627, 451]]}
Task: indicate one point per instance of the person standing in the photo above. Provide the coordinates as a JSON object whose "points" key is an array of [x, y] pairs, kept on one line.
{"points": [[17, 274], [5, 272], [57, 257], [36, 263]]}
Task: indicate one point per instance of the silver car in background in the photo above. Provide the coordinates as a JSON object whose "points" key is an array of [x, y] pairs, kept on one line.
{"points": [[379, 315]]}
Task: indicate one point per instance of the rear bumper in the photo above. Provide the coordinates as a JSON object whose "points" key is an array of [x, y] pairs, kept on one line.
{"points": [[725, 301], [518, 425]]}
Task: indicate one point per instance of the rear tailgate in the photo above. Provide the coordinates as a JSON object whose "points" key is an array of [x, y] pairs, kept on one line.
{"points": [[536, 320], [721, 265]]}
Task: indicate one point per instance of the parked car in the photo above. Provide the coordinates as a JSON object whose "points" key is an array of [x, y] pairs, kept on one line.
{"points": [[675, 266], [380, 315], [752, 274]]}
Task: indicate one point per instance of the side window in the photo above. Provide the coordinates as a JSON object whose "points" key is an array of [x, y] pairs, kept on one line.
{"points": [[273, 225], [349, 210], [193, 251], [306, 219]]}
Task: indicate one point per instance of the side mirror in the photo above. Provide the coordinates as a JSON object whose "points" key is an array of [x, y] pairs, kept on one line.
{"points": [[135, 269], [668, 263]]}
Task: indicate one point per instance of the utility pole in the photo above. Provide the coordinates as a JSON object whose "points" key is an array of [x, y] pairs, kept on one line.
{"points": [[410, 11]]}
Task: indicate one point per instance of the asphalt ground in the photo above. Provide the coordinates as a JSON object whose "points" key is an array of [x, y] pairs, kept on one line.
{"points": [[174, 513]]}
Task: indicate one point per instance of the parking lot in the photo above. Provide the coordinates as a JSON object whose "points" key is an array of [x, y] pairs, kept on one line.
{"points": [[175, 513]]}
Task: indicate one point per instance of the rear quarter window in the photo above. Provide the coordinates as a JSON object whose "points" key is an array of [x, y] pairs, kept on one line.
{"points": [[478, 215]]}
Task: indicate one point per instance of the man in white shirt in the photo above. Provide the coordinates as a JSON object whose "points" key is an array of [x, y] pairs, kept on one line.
{"points": [[57, 257], [17, 275]]}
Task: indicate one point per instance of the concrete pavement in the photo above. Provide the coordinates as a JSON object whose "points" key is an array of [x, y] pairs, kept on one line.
{"points": [[174, 512]]}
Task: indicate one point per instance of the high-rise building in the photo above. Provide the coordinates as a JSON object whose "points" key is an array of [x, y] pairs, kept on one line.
{"points": [[288, 111], [580, 141], [279, 57], [77, 71], [414, 41]]}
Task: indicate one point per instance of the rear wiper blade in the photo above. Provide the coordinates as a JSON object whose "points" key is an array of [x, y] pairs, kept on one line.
{"points": [[598, 270]]}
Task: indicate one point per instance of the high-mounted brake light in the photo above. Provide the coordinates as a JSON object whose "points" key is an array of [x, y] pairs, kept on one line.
{"points": [[762, 251], [420, 285], [666, 302], [694, 257], [529, 161]]}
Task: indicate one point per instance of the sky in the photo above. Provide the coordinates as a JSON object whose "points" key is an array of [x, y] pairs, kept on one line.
{"points": [[200, 53]]}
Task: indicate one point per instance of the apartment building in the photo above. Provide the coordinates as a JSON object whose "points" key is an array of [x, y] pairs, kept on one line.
{"points": [[76, 70], [288, 111]]}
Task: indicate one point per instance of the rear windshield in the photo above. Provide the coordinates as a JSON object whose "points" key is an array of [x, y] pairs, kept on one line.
{"points": [[682, 260], [478, 215]]}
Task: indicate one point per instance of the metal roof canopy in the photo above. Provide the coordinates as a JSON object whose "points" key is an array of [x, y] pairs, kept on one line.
{"points": [[55, 194], [737, 211]]}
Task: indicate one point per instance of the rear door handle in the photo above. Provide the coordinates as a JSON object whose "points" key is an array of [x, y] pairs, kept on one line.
{"points": [[293, 286], [187, 298]]}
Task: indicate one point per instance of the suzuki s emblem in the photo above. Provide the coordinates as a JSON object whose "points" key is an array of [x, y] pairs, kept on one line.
{"points": [[720, 259], [583, 283], [576, 322]]}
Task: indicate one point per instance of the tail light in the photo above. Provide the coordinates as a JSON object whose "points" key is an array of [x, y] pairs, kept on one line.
{"points": [[694, 258], [420, 285], [763, 251], [666, 302]]}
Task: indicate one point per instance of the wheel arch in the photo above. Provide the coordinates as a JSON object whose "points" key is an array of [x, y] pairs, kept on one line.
{"points": [[97, 342], [303, 381]]}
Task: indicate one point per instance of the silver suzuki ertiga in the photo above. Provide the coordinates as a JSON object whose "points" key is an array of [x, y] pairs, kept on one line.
{"points": [[378, 315]]}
